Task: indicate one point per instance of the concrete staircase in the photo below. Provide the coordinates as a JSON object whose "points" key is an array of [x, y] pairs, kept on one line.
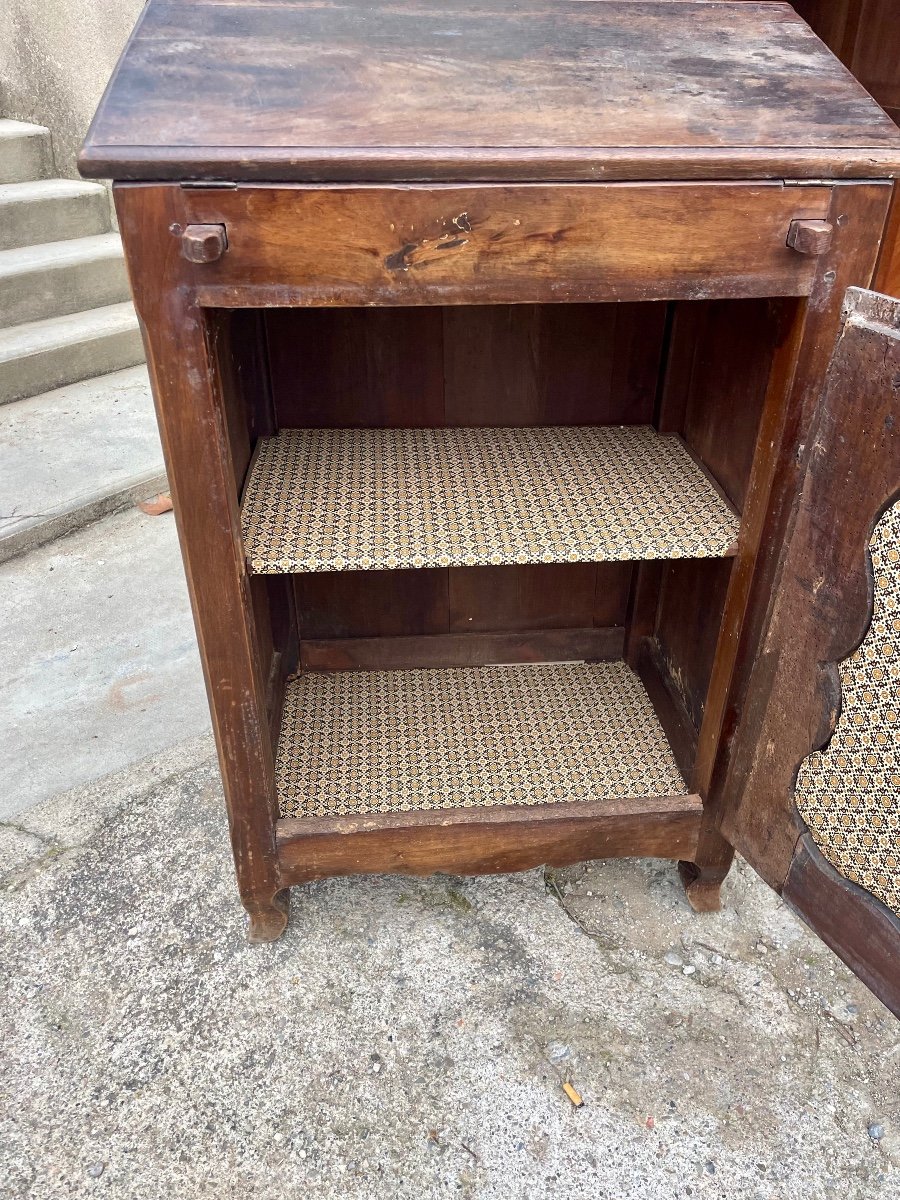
{"points": [[100, 658], [65, 312], [77, 436]]}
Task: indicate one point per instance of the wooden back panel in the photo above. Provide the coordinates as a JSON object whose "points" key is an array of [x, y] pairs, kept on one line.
{"points": [[573, 364]]}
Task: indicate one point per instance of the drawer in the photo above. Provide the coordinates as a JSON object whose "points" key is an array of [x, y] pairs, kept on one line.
{"points": [[393, 245]]}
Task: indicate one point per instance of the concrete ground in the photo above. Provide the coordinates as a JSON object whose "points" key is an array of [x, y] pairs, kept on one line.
{"points": [[410, 1038], [98, 657]]}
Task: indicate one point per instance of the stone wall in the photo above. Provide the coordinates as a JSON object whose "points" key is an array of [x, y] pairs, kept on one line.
{"points": [[55, 59]]}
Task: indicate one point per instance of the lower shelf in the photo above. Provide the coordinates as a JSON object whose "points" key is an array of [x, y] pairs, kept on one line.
{"points": [[361, 743]]}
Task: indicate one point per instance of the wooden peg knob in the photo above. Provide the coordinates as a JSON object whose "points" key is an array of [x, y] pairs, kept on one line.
{"points": [[203, 243], [810, 237]]}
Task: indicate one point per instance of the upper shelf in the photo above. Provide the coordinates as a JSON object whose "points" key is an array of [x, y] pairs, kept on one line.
{"points": [[398, 90], [376, 499]]}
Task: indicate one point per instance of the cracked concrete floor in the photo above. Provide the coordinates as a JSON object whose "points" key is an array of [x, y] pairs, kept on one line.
{"points": [[409, 1038]]}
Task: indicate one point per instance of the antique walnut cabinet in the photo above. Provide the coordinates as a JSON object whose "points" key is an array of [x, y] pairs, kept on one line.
{"points": [[523, 516]]}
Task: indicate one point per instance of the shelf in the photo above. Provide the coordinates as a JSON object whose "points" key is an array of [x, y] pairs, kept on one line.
{"points": [[375, 499], [360, 742]]}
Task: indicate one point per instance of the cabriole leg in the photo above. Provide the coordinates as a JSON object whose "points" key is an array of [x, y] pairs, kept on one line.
{"points": [[268, 918], [703, 878]]}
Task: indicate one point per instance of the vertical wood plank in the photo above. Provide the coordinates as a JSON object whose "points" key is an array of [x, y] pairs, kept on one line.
{"points": [[551, 364], [371, 603], [541, 596], [800, 364], [194, 428], [729, 377], [346, 367]]}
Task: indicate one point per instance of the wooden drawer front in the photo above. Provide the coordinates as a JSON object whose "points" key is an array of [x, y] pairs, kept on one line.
{"points": [[493, 244]]}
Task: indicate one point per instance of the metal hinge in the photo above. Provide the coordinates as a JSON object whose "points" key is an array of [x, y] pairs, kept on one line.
{"points": [[832, 182], [208, 183]]}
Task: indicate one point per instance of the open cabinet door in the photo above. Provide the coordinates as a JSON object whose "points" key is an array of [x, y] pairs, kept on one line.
{"points": [[808, 781]]}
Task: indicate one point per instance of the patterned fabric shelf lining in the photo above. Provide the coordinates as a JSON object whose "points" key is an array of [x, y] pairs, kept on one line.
{"points": [[849, 793], [357, 742], [374, 499]]}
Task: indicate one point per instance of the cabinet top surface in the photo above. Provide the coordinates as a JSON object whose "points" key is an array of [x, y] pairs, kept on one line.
{"points": [[343, 90]]}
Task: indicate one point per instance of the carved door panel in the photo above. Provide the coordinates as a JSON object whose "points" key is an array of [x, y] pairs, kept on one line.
{"points": [[810, 777]]}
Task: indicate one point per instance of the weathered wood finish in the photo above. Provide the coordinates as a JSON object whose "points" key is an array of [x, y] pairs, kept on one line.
{"points": [[859, 929], [493, 244], [806, 339], [515, 89], [462, 649], [806, 336], [865, 35], [657, 677], [198, 441], [821, 608], [464, 252], [887, 275], [488, 840]]}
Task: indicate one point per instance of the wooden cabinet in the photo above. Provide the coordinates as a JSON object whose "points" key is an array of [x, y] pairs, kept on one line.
{"points": [[490, 346]]}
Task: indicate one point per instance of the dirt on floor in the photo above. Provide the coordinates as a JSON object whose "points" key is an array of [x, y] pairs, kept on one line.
{"points": [[411, 1038]]}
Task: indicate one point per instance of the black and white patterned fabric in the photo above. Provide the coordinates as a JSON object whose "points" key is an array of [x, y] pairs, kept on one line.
{"points": [[849, 793], [369, 499], [356, 742]]}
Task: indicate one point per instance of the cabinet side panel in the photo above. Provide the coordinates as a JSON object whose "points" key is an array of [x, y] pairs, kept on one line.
{"points": [[717, 365], [691, 604], [204, 451]]}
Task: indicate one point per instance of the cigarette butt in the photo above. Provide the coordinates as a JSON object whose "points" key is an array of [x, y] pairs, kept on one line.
{"points": [[573, 1095]]}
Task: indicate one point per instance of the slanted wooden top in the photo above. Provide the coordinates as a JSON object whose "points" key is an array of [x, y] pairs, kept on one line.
{"points": [[337, 90]]}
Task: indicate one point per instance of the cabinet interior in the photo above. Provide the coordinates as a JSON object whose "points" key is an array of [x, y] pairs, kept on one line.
{"points": [[696, 373]]}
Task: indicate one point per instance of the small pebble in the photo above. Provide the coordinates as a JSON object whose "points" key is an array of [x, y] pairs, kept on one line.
{"points": [[95, 1170], [688, 970], [876, 1131], [674, 959]]}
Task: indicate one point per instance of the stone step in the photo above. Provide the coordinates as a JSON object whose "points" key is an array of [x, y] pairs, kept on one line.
{"points": [[25, 152], [98, 657], [56, 278], [51, 210], [43, 355], [71, 456]]}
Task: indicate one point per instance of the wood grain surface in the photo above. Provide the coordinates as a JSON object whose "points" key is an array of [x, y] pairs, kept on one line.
{"points": [[510, 89], [488, 840], [821, 604], [493, 244], [864, 933]]}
